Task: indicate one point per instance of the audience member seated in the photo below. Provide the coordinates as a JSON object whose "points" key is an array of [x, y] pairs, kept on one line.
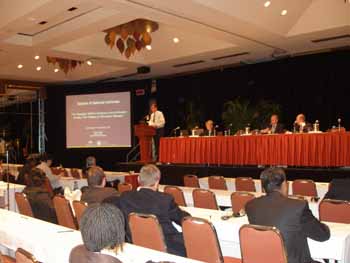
{"points": [[45, 164], [102, 229], [23, 175], [96, 191], [339, 190], [292, 217], [39, 198], [148, 200], [90, 162]]}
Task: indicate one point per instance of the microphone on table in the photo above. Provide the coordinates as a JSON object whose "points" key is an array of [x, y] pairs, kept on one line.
{"points": [[174, 130], [215, 127]]}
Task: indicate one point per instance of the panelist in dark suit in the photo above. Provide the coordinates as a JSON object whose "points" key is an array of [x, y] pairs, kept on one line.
{"points": [[292, 217], [209, 128], [274, 126], [148, 200], [339, 190], [301, 125], [96, 191]]}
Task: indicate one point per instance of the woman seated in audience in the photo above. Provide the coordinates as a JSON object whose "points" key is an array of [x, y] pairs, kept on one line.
{"points": [[90, 162], [102, 230], [39, 197]]}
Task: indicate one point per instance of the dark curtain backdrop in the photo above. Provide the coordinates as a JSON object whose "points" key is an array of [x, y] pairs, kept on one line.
{"points": [[317, 85]]}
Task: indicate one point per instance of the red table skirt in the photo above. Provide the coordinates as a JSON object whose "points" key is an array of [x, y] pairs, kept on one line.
{"points": [[323, 150]]}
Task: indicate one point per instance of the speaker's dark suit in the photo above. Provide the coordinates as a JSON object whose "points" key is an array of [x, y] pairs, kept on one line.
{"points": [[339, 190], [294, 220], [161, 205]]}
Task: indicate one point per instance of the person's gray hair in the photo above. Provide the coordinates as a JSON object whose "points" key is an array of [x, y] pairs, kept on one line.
{"points": [[149, 175], [102, 226]]}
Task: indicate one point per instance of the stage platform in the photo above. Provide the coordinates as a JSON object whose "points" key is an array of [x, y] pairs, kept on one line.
{"points": [[172, 174]]}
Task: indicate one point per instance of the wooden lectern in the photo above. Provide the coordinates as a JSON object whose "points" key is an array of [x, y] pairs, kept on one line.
{"points": [[145, 134]]}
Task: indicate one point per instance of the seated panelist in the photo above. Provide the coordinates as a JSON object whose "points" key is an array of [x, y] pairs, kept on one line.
{"points": [[274, 126], [209, 128], [301, 125]]}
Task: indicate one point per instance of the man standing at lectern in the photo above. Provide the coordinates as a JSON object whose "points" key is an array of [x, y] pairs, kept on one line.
{"points": [[156, 120]]}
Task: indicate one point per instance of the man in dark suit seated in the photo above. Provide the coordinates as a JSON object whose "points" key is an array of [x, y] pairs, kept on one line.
{"points": [[97, 192], [38, 196], [301, 125], [292, 217], [148, 200], [209, 129], [274, 126], [339, 189], [102, 229]]}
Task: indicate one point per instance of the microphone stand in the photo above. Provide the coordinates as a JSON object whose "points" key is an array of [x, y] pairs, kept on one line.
{"points": [[8, 180]]}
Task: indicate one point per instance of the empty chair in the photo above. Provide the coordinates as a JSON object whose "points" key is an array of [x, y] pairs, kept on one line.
{"points": [[335, 211], [261, 244], [124, 187], [146, 231], [304, 187], [191, 180], [79, 208], [177, 193], [245, 184], [23, 204], [2, 202], [203, 198], [64, 212], [201, 241], [239, 200], [217, 182], [23, 256]]}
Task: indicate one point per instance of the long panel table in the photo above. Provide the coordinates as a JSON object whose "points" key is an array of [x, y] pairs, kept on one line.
{"points": [[51, 243], [336, 248], [315, 150], [13, 188]]}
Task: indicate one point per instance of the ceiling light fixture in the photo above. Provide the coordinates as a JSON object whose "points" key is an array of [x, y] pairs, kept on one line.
{"points": [[149, 47], [36, 57], [267, 3], [38, 68], [176, 40], [56, 70], [89, 62], [20, 66], [284, 12]]}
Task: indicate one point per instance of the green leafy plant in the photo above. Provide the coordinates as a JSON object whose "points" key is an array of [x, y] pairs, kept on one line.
{"points": [[238, 113]]}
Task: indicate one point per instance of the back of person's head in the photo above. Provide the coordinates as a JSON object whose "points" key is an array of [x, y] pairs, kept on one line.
{"points": [[90, 161], [149, 175], [36, 177], [95, 176], [102, 227], [272, 179]]}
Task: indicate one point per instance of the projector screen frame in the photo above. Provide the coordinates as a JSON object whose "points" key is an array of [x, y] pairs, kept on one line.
{"points": [[92, 92]]}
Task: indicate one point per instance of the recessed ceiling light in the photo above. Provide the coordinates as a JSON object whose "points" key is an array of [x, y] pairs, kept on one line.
{"points": [[36, 57], [20, 66], [89, 62], [176, 40], [149, 47], [284, 12], [267, 3], [42, 22], [72, 9], [38, 68], [56, 70]]}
